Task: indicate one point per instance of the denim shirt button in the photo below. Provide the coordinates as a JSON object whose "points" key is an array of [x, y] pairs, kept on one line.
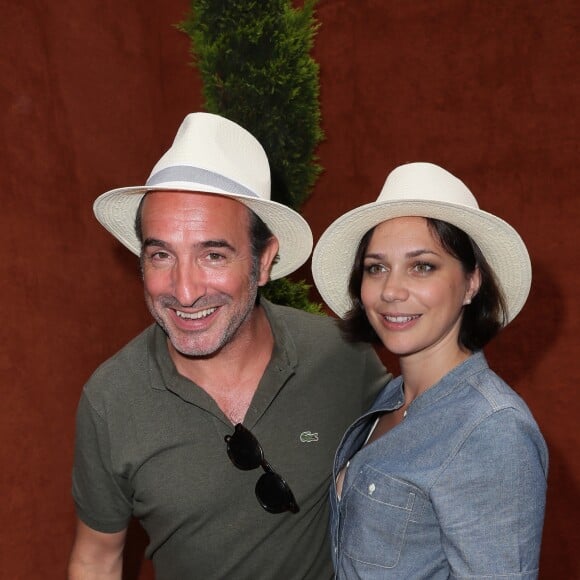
{"points": [[404, 413], [372, 488]]}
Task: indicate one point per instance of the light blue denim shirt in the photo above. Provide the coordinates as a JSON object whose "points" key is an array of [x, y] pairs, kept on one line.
{"points": [[457, 490]]}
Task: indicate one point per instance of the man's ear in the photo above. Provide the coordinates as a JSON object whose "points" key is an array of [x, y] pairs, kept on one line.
{"points": [[267, 260]]}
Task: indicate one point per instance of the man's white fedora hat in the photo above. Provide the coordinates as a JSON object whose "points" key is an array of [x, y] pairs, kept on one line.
{"points": [[212, 154], [426, 190]]}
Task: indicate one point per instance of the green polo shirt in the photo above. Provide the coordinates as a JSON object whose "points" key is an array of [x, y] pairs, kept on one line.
{"points": [[150, 444]]}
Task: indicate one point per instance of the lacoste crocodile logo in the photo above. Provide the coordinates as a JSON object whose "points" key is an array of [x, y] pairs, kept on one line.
{"points": [[308, 437]]}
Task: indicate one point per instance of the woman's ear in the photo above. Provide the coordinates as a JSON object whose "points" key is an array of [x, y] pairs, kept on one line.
{"points": [[474, 282]]}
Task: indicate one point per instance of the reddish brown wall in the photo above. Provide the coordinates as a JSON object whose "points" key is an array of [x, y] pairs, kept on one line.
{"points": [[489, 91], [91, 94]]}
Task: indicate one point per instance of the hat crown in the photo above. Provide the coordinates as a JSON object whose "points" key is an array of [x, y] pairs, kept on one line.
{"points": [[211, 154], [428, 182], [221, 149], [427, 190]]}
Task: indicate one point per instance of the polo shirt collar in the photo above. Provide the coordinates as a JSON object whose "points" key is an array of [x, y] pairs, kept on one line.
{"points": [[164, 374]]}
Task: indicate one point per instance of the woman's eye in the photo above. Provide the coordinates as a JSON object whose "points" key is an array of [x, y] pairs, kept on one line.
{"points": [[424, 267], [374, 268]]}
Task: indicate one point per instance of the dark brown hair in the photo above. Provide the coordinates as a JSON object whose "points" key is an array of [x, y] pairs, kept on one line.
{"points": [[482, 319]]}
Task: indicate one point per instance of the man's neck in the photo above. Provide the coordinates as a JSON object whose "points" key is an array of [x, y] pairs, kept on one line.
{"points": [[231, 375]]}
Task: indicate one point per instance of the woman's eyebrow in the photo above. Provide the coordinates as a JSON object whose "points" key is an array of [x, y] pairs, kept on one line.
{"points": [[413, 254]]}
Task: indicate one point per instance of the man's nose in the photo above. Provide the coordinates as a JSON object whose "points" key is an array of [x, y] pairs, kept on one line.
{"points": [[189, 283]]}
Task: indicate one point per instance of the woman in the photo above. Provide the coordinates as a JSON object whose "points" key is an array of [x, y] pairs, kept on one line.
{"points": [[445, 476]]}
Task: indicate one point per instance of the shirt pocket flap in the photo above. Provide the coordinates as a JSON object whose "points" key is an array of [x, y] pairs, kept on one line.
{"points": [[377, 509], [384, 489]]}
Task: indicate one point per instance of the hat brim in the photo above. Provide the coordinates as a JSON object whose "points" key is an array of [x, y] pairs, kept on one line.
{"points": [[503, 248], [116, 211]]}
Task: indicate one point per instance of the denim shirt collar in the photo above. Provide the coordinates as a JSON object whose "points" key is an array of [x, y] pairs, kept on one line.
{"points": [[392, 397]]}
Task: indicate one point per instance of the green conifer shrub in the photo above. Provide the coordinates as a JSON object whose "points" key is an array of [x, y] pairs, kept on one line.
{"points": [[254, 60]]}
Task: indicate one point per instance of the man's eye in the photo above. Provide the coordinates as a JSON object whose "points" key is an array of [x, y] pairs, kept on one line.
{"points": [[160, 256]]}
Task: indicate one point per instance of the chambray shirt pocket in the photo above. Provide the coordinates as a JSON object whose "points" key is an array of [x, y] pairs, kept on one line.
{"points": [[378, 508]]}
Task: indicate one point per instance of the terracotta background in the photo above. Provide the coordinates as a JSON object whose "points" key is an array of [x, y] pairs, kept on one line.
{"points": [[91, 94]]}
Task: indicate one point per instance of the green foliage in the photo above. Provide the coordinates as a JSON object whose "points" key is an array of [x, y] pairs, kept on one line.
{"points": [[254, 60], [255, 64], [290, 293]]}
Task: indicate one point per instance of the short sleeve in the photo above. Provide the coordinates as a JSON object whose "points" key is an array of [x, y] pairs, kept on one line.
{"points": [[102, 499]]}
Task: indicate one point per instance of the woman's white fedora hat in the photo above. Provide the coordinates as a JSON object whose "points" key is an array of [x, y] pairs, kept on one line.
{"points": [[211, 154], [426, 190]]}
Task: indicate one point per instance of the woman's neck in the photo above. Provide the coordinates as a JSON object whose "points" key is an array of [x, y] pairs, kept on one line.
{"points": [[420, 371]]}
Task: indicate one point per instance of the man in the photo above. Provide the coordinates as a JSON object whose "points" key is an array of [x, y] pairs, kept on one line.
{"points": [[172, 429]]}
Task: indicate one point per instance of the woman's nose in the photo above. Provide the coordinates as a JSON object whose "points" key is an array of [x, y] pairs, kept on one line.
{"points": [[394, 288]]}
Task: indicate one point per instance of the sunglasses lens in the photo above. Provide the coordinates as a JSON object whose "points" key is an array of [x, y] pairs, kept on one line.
{"points": [[274, 494], [243, 449]]}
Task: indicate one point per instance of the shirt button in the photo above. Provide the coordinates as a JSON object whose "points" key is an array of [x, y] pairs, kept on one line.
{"points": [[372, 488], [405, 413]]}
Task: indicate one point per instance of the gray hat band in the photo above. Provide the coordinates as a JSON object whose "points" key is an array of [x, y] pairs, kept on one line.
{"points": [[200, 176]]}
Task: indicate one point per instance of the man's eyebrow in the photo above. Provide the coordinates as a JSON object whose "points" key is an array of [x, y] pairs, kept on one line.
{"points": [[154, 242], [148, 242], [216, 244]]}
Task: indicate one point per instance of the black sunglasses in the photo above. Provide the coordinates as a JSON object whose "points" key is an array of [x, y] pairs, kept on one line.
{"points": [[273, 493]]}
